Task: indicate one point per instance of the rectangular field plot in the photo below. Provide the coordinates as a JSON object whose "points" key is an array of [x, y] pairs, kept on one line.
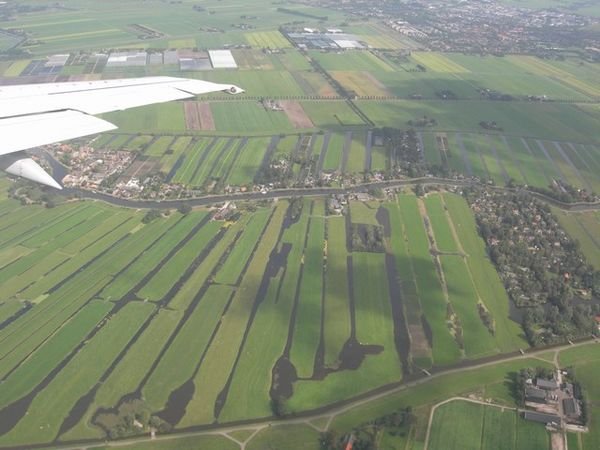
{"points": [[314, 84], [582, 163], [192, 159], [565, 166], [438, 220], [273, 319], [267, 39], [362, 83], [457, 425], [428, 285], [351, 60], [485, 279], [184, 354], [248, 117], [429, 85], [542, 68], [331, 115], [332, 159], [464, 425], [336, 313], [437, 62], [256, 60], [477, 339], [153, 118], [221, 355], [159, 146], [293, 60], [307, 331], [269, 83], [420, 347], [549, 121], [585, 228], [16, 68], [247, 163]]}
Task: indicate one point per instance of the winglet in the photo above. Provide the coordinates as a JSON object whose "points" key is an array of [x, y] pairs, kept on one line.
{"points": [[234, 90], [28, 168]]}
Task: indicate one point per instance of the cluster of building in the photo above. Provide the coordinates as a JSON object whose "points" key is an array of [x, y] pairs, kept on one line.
{"points": [[330, 39], [485, 26], [186, 59], [552, 402], [89, 167]]}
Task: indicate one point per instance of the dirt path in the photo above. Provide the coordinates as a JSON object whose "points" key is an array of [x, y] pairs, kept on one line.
{"points": [[558, 441]]}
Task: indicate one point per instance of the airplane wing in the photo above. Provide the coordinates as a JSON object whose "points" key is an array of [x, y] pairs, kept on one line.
{"points": [[39, 114]]}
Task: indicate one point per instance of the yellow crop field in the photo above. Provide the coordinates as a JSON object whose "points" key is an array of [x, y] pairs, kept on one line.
{"points": [[16, 68], [267, 39], [539, 67], [438, 63], [363, 83]]}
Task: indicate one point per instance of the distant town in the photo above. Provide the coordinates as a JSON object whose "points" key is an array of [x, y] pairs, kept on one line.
{"points": [[482, 27]]}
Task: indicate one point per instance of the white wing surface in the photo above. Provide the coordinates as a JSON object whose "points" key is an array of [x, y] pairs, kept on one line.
{"points": [[39, 114], [23, 132]]}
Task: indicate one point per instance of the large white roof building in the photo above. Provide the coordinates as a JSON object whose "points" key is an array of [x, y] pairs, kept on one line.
{"points": [[222, 59]]}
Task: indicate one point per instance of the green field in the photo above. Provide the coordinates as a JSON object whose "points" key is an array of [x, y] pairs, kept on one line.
{"points": [[463, 425], [280, 309], [584, 228], [248, 117]]}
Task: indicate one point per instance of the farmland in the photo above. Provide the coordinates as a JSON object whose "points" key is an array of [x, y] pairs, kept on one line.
{"points": [[583, 227], [280, 306], [193, 266], [464, 425]]}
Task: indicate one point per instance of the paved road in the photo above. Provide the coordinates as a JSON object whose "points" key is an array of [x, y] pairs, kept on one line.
{"points": [[329, 413]]}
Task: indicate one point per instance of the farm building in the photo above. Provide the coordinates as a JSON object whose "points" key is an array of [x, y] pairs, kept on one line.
{"points": [[347, 43], [222, 59], [542, 418], [171, 57], [571, 408], [57, 60], [194, 64], [326, 41], [155, 59], [548, 385], [127, 59], [533, 394]]}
